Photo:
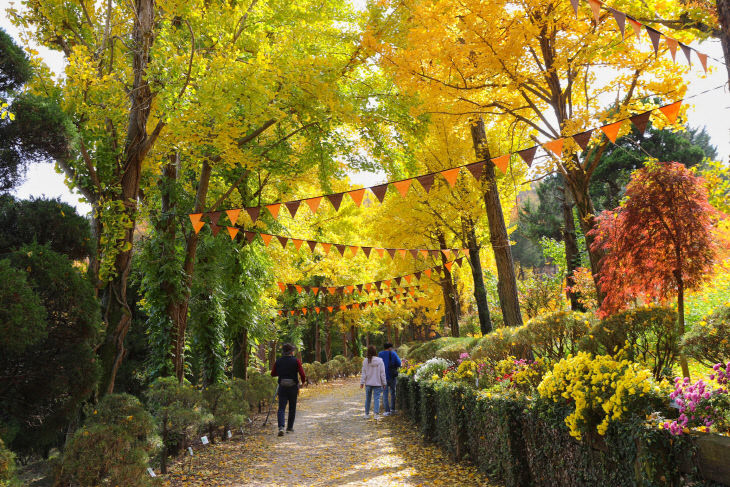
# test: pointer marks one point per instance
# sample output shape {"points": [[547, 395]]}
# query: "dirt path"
{"points": [[333, 445]]}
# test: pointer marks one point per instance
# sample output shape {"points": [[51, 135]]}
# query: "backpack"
{"points": [[392, 366]]}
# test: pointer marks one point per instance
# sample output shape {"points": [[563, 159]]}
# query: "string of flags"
{"points": [[361, 305], [362, 289], [368, 286], [476, 169], [654, 35]]}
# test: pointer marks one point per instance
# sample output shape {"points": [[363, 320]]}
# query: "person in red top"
{"points": [[286, 369]]}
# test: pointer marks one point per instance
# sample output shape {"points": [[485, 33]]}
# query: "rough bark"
{"points": [[451, 319], [317, 342], [506, 281], [480, 291], [723, 16], [117, 314], [239, 362], [328, 343], [572, 257]]}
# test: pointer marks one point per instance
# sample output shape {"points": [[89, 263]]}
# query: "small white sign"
{"points": [[230, 435], [151, 472], [190, 450], [204, 439]]}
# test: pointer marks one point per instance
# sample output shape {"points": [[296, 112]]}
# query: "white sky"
{"points": [[711, 110]]}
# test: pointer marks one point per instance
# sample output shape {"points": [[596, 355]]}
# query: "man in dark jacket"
{"points": [[392, 364], [286, 369]]}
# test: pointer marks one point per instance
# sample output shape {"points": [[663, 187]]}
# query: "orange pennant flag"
{"points": [[381, 252], [611, 130], [357, 196], [427, 272], [292, 312], [343, 307], [408, 278], [330, 308], [354, 249], [233, 215], [447, 253], [232, 231], [282, 286], [672, 44], [195, 217], [280, 312], [368, 286], [332, 290], [636, 26], [448, 265], [313, 203], [316, 309], [350, 289], [297, 243], [266, 238], [596, 7], [703, 60], [671, 111], [466, 252], [197, 226], [387, 282], [326, 247], [423, 252], [403, 252], [298, 288], [402, 186], [304, 311], [451, 175], [502, 163], [315, 290], [274, 209], [556, 146]]}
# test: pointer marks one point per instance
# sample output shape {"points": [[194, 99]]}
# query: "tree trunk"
{"points": [[451, 318], [317, 342], [239, 362], [397, 337], [480, 291], [117, 314], [680, 320], [345, 350], [389, 332], [723, 16], [572, 256], [328, 343], [506, 282]]}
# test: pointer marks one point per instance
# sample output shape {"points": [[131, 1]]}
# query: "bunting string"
{"points": [[368, 289], [670, 112], [362, 305]]}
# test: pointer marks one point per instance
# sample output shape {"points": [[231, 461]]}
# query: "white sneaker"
{"points": [[386, 413], [376, 417], [367, 415]]}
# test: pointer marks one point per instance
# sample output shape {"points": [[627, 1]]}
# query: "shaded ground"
{"points": [[333, 445]]}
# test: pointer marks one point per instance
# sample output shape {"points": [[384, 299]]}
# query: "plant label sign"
{"points": [[151, 472], [229, 434], [190, 450], [204, 440]]}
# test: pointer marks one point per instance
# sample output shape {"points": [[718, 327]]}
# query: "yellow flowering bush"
{"points": [[600, 390], [521, 375]]}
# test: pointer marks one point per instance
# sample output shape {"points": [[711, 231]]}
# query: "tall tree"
{"points": [[660, 242]]}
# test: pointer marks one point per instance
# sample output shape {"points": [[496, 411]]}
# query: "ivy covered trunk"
{"points": [[506, 280], [117, 314], [572, 256]]}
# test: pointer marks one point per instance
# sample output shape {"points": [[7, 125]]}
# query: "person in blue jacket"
{"points": [[392, 364]]}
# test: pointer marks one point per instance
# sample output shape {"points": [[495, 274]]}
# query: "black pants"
{"points": [[287, 395]]}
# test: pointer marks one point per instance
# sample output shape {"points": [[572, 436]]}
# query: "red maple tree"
{"points": [[659, 242]]}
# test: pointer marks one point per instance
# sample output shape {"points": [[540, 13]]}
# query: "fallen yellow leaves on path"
{"points": [[333, 445]]}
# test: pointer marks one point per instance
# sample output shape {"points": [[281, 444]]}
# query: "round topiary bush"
{"points": [[553, 335], [497, 345], [708, 342], [113, 447]]}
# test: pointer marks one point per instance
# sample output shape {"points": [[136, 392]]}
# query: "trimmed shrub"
{"points": [[403, 350], [112, 448], [453, 349], [178, 410], [709, 341], [427, 350], [496, 346], [647, 335], [227, 404], [553, 335], [355, 365], [7, 467], [259, 387], [311, 372]]}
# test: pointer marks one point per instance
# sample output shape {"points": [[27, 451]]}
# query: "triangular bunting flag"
{"points": [[215, 229], [575, 4], [636, 26], [402, 186], [391, 252], [459, 261], [687, 53], [233, 215], [583, 138], [671, 111], [414, 253], [253, 213], [332, 290], [596, 7], [434, 253], [266, 238], [427, 272], [292, 312], [312, 244], [274, 209], [366, 251], [555, 146], [326, 247], [368, 286], [282, 241], [408, 278], [403, 252], [640, 121], [381, 252], [476, 170], [330, 308], [417, 275], [466, 252], [343, 307], [611, 130], [703, 60], [357, 196], [387, 282], [214, 217], [232, 231], [341, 249], [451, 175], [304, 311], [195, 217], [528, 155], [447, 253], [315, 290], [282, 286], [397, 280], [426, 181], [654, 35], [620, 19], [336, 200], [316, 309], [281, 312], [354, 249], [298, 288], [672, 44], [313, 203], [349, 306], [359, 288], [437, 269], [297, 243], [293, 206], [379, 191], [378, 284], [250, 236], [448, 265], [502, 163], [423, 252], [198, 225]]}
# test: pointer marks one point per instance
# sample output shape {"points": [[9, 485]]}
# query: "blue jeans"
{"points": [[368, 395], [390, 388]]}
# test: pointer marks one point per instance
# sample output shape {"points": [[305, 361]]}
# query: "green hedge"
{"points": [[523, 442]]}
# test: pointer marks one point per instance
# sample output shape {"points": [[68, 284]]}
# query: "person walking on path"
{"points": [[286, 369], [391, 360], [373, 378]]}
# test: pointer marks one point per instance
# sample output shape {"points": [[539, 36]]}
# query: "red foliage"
{"points": [[665, 225]]}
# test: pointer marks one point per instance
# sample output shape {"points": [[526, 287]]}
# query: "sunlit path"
{"points": [[333, 445]]}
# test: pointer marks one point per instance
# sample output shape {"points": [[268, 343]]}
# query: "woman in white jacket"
{"points": [[373, 378]]}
